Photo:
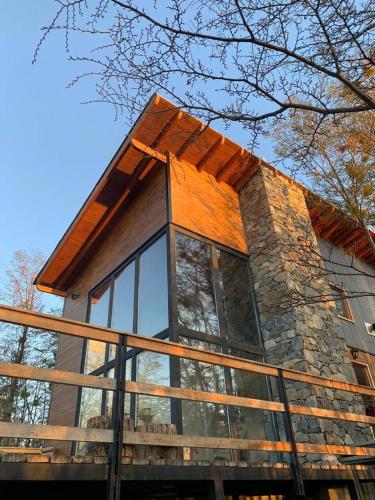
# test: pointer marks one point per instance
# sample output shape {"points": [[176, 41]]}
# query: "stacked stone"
{"points": [[301, 335]]}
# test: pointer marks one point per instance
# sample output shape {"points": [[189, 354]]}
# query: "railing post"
{"points": [[118, 408], [299, 487]]}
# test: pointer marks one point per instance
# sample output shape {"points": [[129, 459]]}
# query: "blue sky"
{"points": [[53, 148]]}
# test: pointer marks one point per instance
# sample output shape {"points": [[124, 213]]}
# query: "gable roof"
{"points": [[161, 129]]}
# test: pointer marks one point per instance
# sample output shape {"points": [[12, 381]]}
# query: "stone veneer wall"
{"points": [[305, 337]]}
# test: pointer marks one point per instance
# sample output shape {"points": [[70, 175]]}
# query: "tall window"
{"points": [[196, 304], [215, 312], [213, 292], [211, 308], [134, 299]]}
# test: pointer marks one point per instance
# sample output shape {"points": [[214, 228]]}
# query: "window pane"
{"points": [[236, 295], [153, 368], [153, 289], [201, 376], [91, 405], [198, 418], [123, 300], [341, 302], [95, 352], [109, 398], [250, 423], [196, 307], [99, 305], [95, 355]]}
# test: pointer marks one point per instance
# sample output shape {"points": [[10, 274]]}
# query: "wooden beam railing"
{"points": [[86, 331]]}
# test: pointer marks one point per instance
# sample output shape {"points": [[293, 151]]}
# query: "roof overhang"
{"points": [[161, 129]]}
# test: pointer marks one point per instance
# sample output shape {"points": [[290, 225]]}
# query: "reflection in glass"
{"points": [[246, 422], [123, 300], [153, 289], [95, 355], [109, 396], [196, 307], [153, 368], [198, 418], [99, 305], [91, 405], [236, 295], [95, 352]]}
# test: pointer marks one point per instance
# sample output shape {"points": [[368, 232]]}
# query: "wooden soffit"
{"points": [[162, 128], [332, 225]]}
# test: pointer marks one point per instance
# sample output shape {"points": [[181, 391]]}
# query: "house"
{"points": [[191, 239]]}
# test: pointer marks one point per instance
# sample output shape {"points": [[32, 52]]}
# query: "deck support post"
{"points": [[216, 489], [118, 408], [299, 488], [357, 485]]}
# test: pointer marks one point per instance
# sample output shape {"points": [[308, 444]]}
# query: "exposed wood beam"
{"points": [[356, 245], [225, 169], [364, 249], [190, 140], [146, 150], [330, 229], [251, 168], [177, 116], [50, 289], [105, 220], [347, 237], [367, 253], [217, 144]]}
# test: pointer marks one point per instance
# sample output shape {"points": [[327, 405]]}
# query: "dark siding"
{"points": [[363, 309]]}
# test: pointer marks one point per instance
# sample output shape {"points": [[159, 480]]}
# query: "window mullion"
{"points": [[218, 296]]}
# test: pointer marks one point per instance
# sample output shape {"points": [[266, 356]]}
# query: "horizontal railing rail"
{"points": [[86, 331]]}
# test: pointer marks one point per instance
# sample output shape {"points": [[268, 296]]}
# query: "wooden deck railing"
{"points": [[86, 331]]}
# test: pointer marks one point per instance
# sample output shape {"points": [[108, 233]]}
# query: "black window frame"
{"points": [[175, 331]]}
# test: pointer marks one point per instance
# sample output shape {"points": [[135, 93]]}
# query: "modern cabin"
{"points": [[232, 388]]}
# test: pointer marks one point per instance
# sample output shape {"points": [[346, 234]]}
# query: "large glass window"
{"points": [[196, 305], [121, 304], [123, 299], [199, 418], [212, 309], [248, 423], [153, 289], [236, 297], [99, 307], [150, 299], [153, 368]]}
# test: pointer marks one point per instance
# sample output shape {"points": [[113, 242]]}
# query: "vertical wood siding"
{"points": [[203, 205]]}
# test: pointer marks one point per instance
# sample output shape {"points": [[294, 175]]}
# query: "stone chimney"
{"points": [[297, 335]]}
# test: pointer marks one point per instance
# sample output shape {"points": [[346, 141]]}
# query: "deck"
{"points": [[116, 468]]}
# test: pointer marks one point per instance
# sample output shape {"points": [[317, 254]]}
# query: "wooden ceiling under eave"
{"points": [[334, 226], [162, 127]]}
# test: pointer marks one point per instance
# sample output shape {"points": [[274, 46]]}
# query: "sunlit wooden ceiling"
{"points": [[163, 128]]}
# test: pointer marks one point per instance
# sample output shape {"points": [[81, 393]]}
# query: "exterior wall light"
{"points": [[354, 353]]}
